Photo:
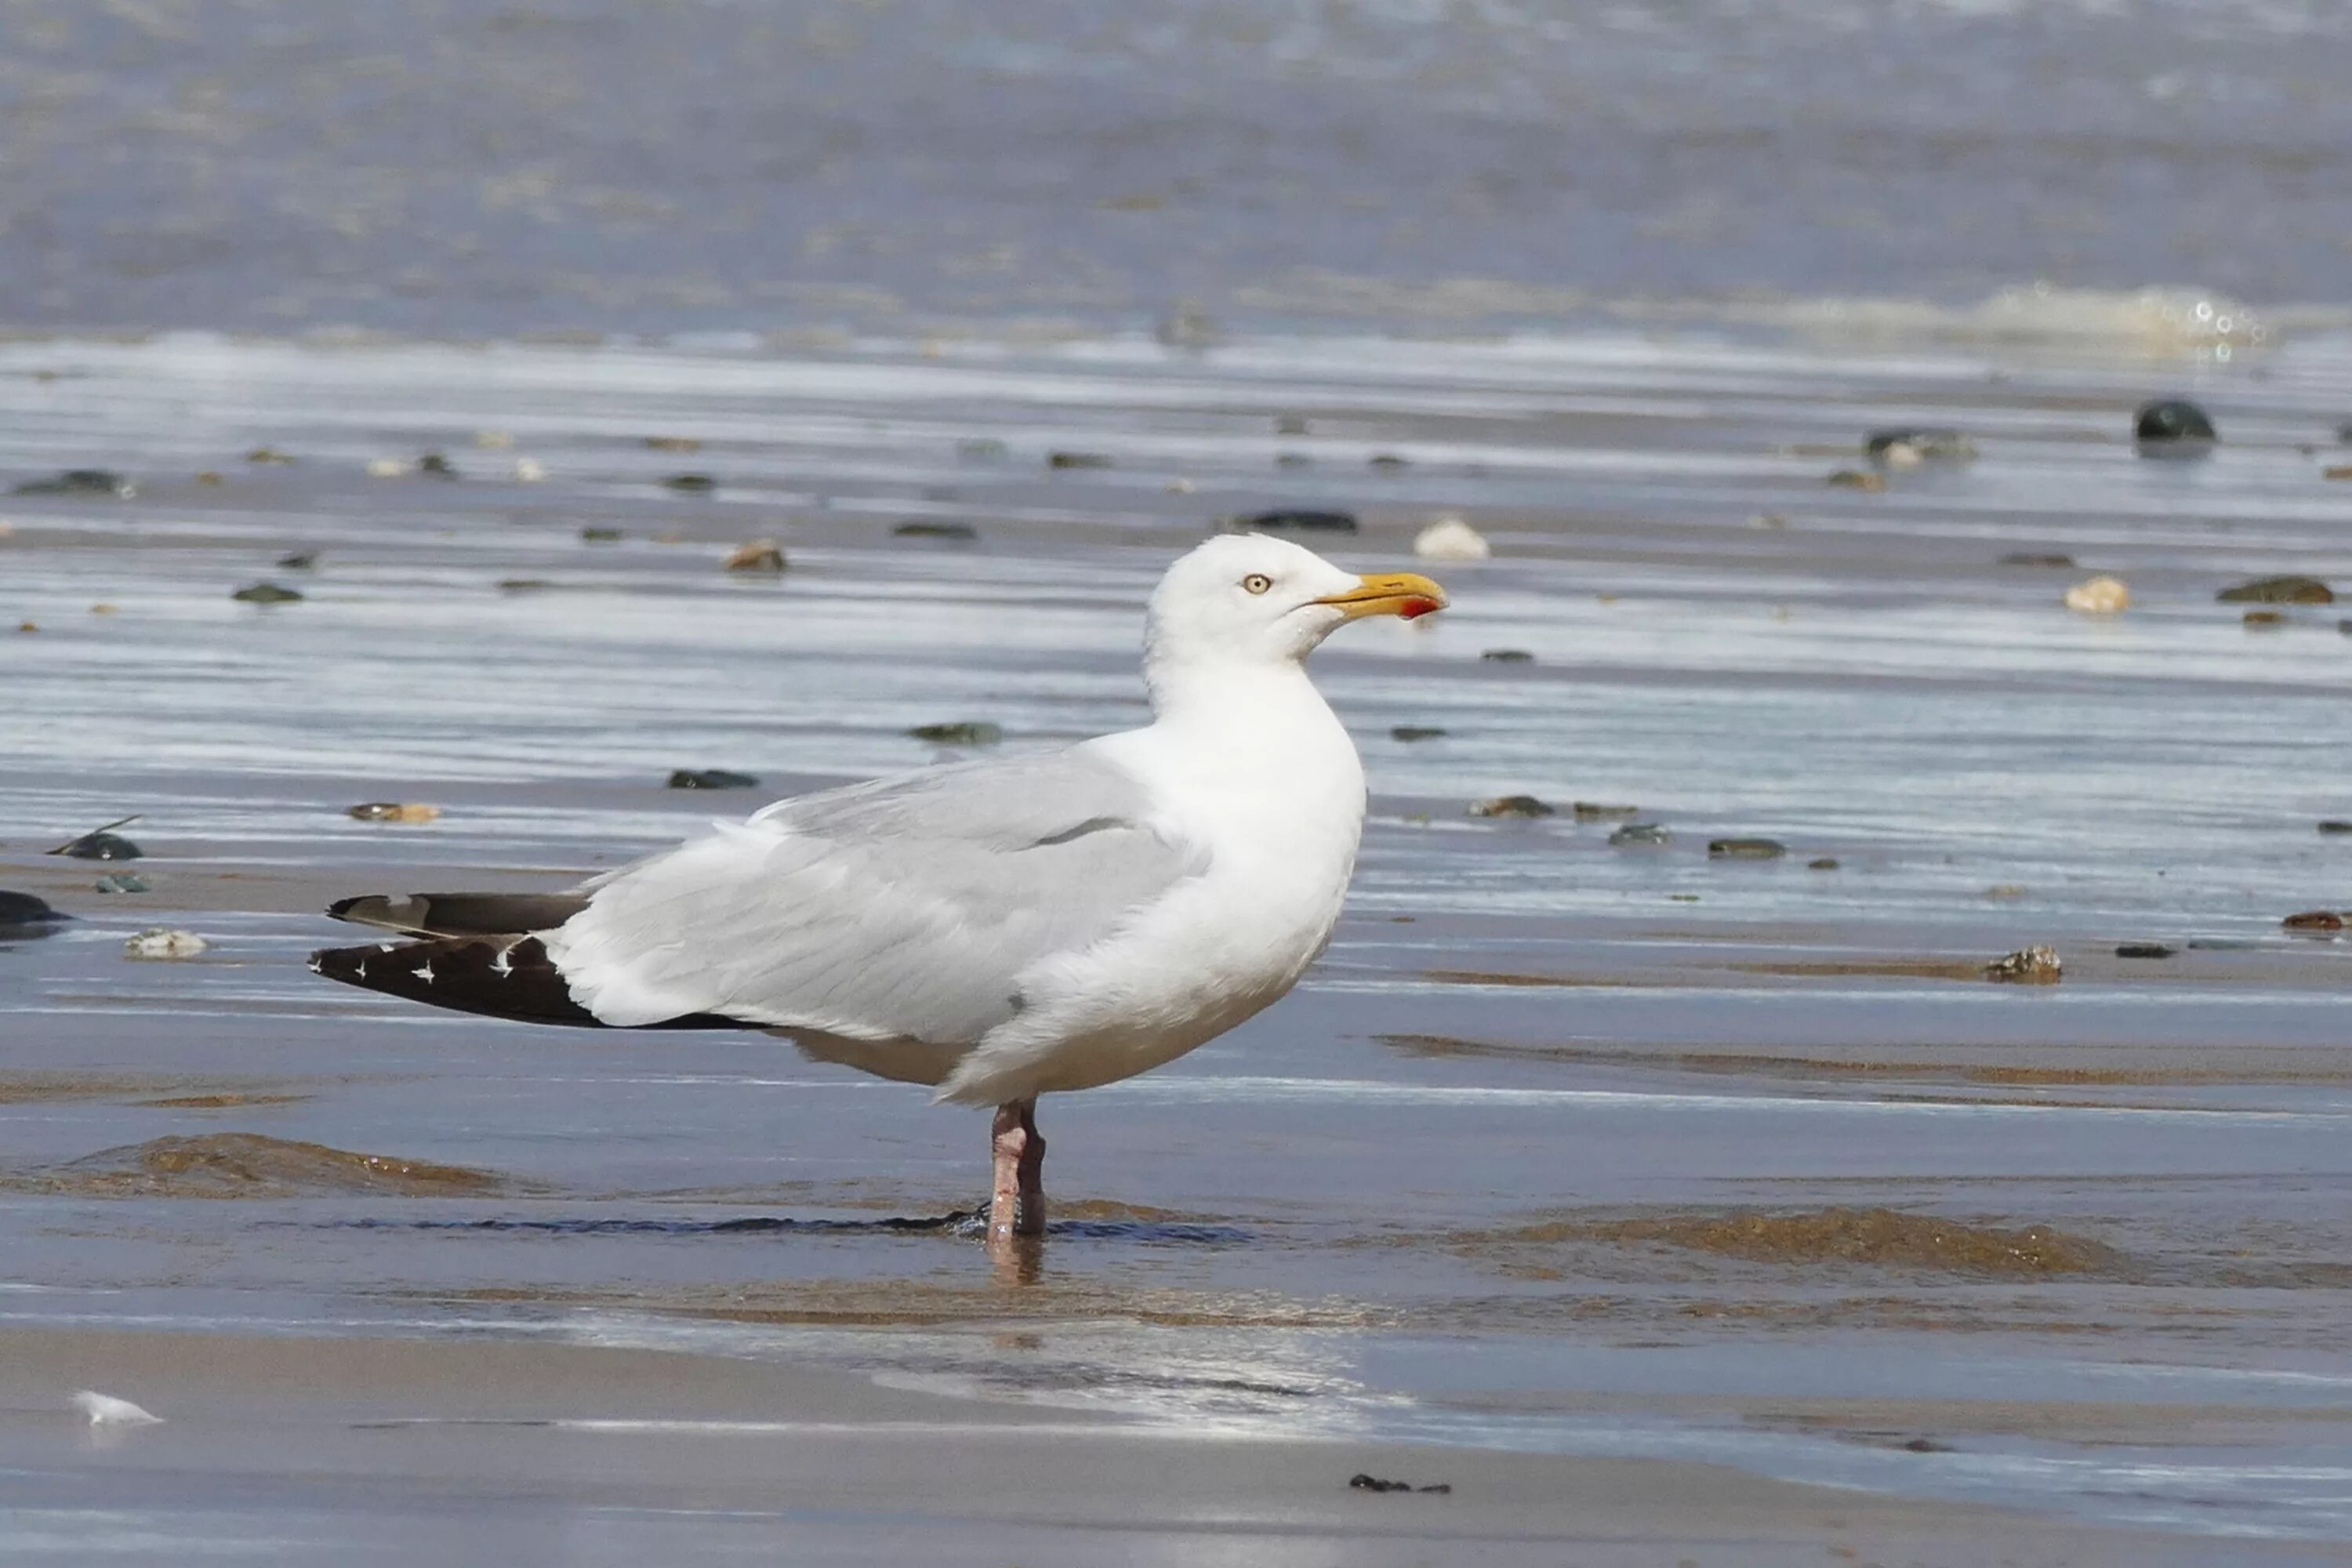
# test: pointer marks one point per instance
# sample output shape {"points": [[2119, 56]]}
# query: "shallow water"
{"points": [[1437, 1194]]}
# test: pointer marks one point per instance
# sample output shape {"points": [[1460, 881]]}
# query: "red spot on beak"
{"points": [[1414, 608]]}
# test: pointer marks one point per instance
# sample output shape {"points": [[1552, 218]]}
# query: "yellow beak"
{"points": [[1405, 593]]}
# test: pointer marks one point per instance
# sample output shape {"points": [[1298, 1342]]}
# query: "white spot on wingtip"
{"points": [[501, 965], [423, 972], [105, 1410]]}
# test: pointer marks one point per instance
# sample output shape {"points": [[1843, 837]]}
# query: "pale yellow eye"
{"points": [[1257, 583]]}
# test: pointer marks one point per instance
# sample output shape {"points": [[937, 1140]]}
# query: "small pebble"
{"points": [[524, 585], [1746, 849], [494, 440], [266, 455], [1858, 480], [1426, 732], [2336, 471], [121, 882], [982, 449], [2028, 966], [1507, 656], [1077, 460], [2264, 620], [594, 535], [1451, 539], [1926, 1446], [394, 811], [979, 733], [2099, 597], [265, 594], [673, 444], [1386, 460], [2172, 421], [691, 484], [1365, 1483], [2315, 920], [529, 470], [2036, 558], [2142, 950], [1296, 425], [161, 942], [1292, 460], [1510, 806], [760, 555], [711, 778], [209, 476], [964, 531], [386, 468], [1641, 835], [2286, 590], [2332, 824], [300, 561], [435, 463], [1822, 863], [1596, 811]]}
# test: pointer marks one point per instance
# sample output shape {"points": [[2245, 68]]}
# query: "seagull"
{"points": [[996, 930]]}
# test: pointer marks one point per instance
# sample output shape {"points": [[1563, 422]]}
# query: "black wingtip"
{"points": [[502, 977]]}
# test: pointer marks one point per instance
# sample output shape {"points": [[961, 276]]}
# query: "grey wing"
{"points": [[906, 909]]}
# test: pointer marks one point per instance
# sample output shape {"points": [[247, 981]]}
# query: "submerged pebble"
{"points": [[969, 733], [673, 444], [2336, 471], [1599, 811], [690, 484], [1510, 806], [2331, 824], [79, 482], [2291, 589], [266, 455], [163, 941], [1746, 849], [1822, 863], [1641, 835], [2036, 558], [2315, 920], [1451, 539], [2027, 966], [2142, 950], [1905, 446], [1507, 656], [760, 555], [594, 535], [2262, 620], [1077, 460], [435, 463], [711, 778], [300, 561], [1858, 480], [962, 530], [394, 811], [981, 449], [529, 470], [2099, 597], [1368, 1483], [121, 882], [386, 468], [1416, 733], [265, 594], [2172, 422]]}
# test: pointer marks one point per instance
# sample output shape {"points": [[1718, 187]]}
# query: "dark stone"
{"points": [[1912, 444], [1507, 656], [1641, 835], [523, 584], [711, 778], [2315, 920], [1510, 806], [1825, 863], [265, 594], [300, 561], [1431, 732], [594, 535], [1595, 811], [2344, 432], [1386, 460], [435, 463], [1746, 849], [1926, 1446], [1301, 521], [691, 484], [1077, 460], [971, 732], [2142, 950], [2286, 590], [78, 482], [21, 911], [2332, 824], [936, 531], [2172, 421], [1364, 1483], [2036, 558]]}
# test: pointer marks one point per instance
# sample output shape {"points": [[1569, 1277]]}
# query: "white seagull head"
{"points": [[1251, 599]]}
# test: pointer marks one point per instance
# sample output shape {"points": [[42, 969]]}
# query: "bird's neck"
{"points": [[1212, 694]]}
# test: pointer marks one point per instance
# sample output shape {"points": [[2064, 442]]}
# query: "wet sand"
{"points": [[1575, 1163], [470, 1451]]}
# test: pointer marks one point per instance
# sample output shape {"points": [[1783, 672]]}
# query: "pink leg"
{"points": [[1016, 1204]]}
